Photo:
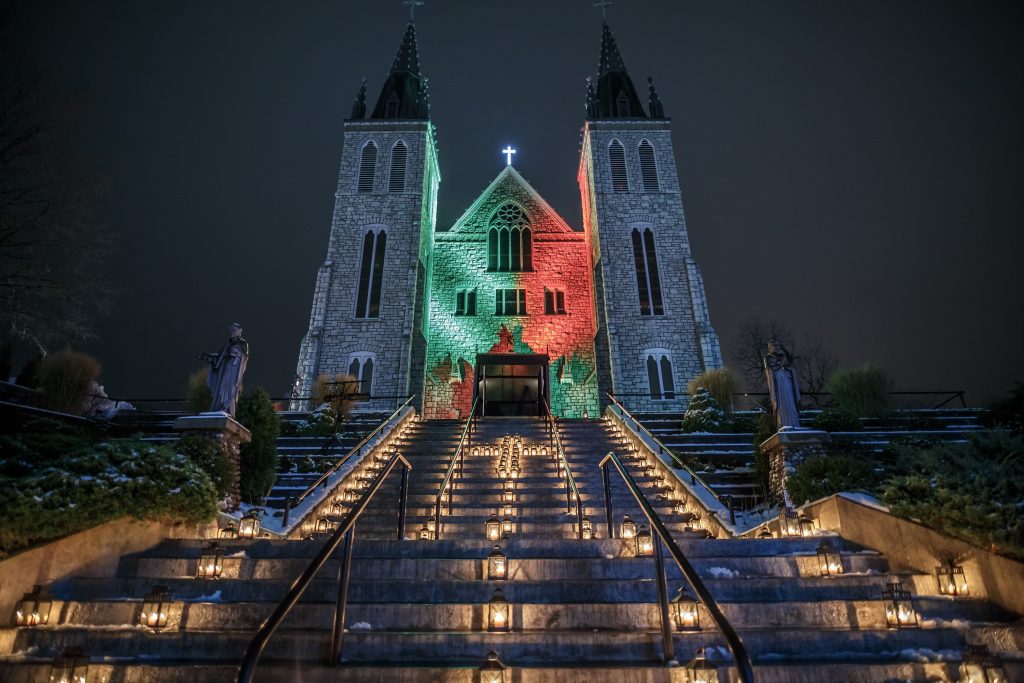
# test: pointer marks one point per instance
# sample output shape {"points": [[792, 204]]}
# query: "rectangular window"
{"points": [[554, 302], [510, 302], [465, 302]]}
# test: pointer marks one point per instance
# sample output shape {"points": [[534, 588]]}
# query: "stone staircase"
{"points": [[580, 610], [725, 461]]}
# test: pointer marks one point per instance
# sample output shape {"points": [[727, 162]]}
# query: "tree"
{"points": [[814, 361], [259, 456], [53, 251]]}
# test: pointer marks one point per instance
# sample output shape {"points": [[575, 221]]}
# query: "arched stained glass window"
{"points": [[509, 240]]}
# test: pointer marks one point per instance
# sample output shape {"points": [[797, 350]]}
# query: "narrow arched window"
{"points": [[653, 377], [366, 379], [396, 174], [492, 249], [648, 282], [652, 272], [371, 274], [503, 249], [360, 367], [527, 249], [617, 162], [668, 384], [648, 167], [640, 264], [516, 252], [367, 167], [353, 368]]}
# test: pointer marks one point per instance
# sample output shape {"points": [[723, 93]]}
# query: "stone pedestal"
{"points": [[229, 435], [787, 449]]}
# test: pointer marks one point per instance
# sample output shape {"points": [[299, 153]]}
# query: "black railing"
{"points": [[661, 537], [820, 399], [695, 478], [345, 532], [572, 493], [458, 458], [357, 450]]}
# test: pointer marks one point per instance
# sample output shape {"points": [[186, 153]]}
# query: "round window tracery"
{"points": [[509, 216]]}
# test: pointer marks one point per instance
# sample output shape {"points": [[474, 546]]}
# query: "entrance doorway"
{"points": [[511, 384]]}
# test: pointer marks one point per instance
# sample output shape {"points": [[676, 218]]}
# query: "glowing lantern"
{"points": [[510, 485], [211, 562], [432, 526], [493, 527], [338, 508], [230, 531], [506, 526], [476, 450], [507, 509], [830, 562], [498, 616], [679, 506], [806, 525], [533, 450], [492, 670], [765, 533], [497, 564], [351, 495], [424, 533], [324, 525], [952, 580], [249, 525], [34, 608], [586, 528], [789, 522], [899, 608], [627, 529], [644, 543], [70, 666], [699, 670], [685, 611], [514, 471], [981, 666], [154, 607]]}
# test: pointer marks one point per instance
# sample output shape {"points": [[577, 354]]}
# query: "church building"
{"points": [[510, 308]]}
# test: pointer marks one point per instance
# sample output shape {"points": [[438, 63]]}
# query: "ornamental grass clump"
{"points": [[720, 383], [65, 377], [197, 392], [860, 391]]}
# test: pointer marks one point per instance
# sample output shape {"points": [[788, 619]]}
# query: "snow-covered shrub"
{"points": [[208, 454], [704, 414]]}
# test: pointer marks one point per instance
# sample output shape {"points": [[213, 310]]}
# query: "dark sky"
{"points": [[851, 168]]}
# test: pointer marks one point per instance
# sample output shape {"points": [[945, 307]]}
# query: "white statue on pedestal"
{"points": [[783, 386]]}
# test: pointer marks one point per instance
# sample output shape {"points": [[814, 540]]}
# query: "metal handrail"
{"points": [[457, 457], [346, 532], [951, 395], [572, 490], [662, 535], [357, 449], [694, 477]]}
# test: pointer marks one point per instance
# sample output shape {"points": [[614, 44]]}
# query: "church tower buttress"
{"points": [[654, 331], [367, 316]]}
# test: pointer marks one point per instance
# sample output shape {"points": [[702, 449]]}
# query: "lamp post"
{"points": [[249, 525], [830, 562], [492, 670], [981, 666], [154, 607], [700, 670], [211, 562], [34, 608], [498, 613], [686, 611], [899, 607], [951, 577], [497, 564], [70, 666]]}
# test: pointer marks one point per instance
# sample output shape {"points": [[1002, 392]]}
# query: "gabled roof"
{"points": [[510, 175]]}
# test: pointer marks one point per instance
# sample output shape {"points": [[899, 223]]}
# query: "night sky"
{"points": [[851, 168]]}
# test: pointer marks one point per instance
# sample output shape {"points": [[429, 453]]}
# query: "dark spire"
{"points": [[402, 96], [653, 102], [616, 97], [359, 106]]}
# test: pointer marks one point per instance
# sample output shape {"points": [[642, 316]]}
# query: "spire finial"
{"points": [[604, 5], [359, 106], [413, 4], [653, 101]]}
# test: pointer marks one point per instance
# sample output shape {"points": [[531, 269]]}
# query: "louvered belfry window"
{"points": [[396, 175], [617, 162], [367, 167], [648, 168]]}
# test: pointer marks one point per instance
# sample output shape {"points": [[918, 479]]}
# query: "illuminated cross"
{"points": [[413, 4], [604, 5], [508, 152]]}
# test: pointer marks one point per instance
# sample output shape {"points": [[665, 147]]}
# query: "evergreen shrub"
{"points": [[720, 383], [208, 454], [765, 429], [65, 377], [860, 391], [836, 420], [259, 456], [1007, 412], [704, 414]]}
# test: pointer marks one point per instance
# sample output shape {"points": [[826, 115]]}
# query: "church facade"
{"points": [[511, 308]]}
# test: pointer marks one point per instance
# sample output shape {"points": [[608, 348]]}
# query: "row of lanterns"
{"points": [[35, 607]]}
